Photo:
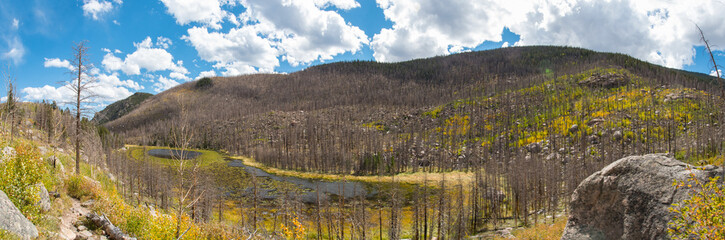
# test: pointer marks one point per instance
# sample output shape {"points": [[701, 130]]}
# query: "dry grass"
{"points": [[542, 231], [408, 177]]}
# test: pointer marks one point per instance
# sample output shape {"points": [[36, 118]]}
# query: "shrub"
{"points": [[204, 83], [20, 170], [703, 215], [80, 188]]}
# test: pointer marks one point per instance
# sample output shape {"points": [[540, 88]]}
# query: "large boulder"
{"points": [[44, 202], [629, 199], [12, 220]]}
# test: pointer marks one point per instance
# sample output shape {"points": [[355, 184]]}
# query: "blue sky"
{"points": [[150, 46]]}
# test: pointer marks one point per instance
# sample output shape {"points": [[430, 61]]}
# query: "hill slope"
{"points": [[442, 112], [120, 108]]}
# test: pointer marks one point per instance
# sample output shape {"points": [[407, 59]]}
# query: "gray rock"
{"points": [[574, 128], [13, 220], [88, 203], [84, 235], [629, 199], [593, 139], [44, 202], [534, 147], [617, 135], [82, 228]]}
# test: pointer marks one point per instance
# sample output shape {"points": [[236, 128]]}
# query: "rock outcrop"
{"points": [[607, 80], [12, 220], [44, 202], [629, 199]]}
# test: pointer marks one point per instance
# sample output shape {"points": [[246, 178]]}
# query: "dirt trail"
{"points": [[68, 228]]}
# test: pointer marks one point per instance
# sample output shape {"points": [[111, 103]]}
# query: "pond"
{"points": [[174, 154], [309, 187]]}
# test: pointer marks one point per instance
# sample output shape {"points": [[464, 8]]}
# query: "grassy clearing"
{"points": [[206, 158], [407, 177]]}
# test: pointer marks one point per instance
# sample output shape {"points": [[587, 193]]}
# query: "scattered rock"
{"points": [[595, 121], [552, 156], [617, 135], [607, 80], [54, 194], [8, 153], [678, 95], [13, 220], [593, 139], [88, 204], [67, 233], [81, 228], [574, 128], [44, 202], [629, 199], [84, 235], [534, 147]]}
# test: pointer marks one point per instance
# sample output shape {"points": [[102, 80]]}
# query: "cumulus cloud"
{"points": [[16, 24], [240, 46], [107, 88], [715, 74], [163, 84], [55, 62], [209, 73], [341, 4], [429, 27], [208, 12], [657, 31], [96, 8], [145, 57], [298, 32]]}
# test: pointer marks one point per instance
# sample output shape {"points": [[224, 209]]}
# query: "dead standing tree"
{"points": [[81, 86], [182, 135], [714, 65]]}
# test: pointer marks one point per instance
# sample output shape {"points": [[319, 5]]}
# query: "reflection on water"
{"points": [[174, 153], [347, 189]]}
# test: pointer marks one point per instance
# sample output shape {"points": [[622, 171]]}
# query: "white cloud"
{"points": [[658, 31], [712, 73], [302, 31], [16, 24], [179, 76], [15, 50], [297, 31], [505, 45], [145, 57], [163, 84], [208, 12], [55, 62], [341, 4], [96, 8], [209, 73], [428, 28], [163, 42], [108, 88], [58, 94], [240, 46]]}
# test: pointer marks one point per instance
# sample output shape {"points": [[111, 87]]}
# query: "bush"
{"points": [[80, 188], [204, 83], [20, 170], [703, 215]]}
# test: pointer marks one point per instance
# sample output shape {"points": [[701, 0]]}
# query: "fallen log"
{"points": [[114, 233]]}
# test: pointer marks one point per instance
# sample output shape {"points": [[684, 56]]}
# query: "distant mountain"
{"points": [[120, 108]]}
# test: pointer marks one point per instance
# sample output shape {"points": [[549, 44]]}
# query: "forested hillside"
{"points": [[120, 108], [366, 117]]}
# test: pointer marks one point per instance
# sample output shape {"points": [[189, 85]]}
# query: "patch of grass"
{"points": [[80, 188], [542, 231], [405, 178]]}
